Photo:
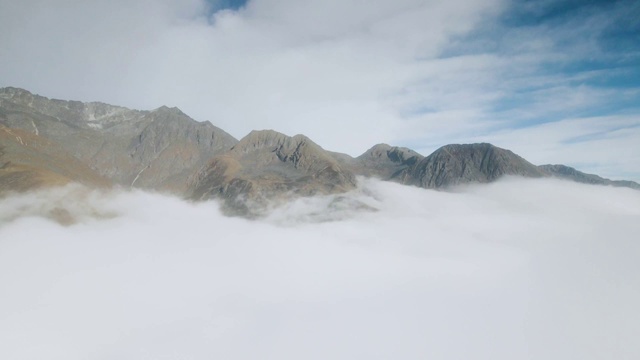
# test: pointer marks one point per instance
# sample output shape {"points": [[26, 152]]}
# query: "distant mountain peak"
{"points": [[13, 91], [260, 139], [394, 153], [385, 161], [569, 173], [169, 110], [466, 163], [267, 164]]}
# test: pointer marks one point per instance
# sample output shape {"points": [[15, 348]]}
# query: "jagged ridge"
{"points": [[466, 163], [156, 149], [569, 173], [267, 164], [164, 149]]}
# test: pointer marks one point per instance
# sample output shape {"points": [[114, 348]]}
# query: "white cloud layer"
{"points": [[519, 269], [349, 74]]}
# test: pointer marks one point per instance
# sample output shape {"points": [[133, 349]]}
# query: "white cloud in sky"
{"points": [[519, 269], [603, 145], [348, 74]]}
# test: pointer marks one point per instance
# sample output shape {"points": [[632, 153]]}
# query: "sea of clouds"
{"points": [[518, 269]]}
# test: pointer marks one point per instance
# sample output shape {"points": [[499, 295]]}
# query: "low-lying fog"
{"points": [[519, 269]]}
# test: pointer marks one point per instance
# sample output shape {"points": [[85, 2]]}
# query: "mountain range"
{"points": [[46, 142]]}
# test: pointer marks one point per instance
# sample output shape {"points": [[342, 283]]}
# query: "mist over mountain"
{"points": [[319, 180], [114, 243], [515, 269], [49, 142], [266, 164]]}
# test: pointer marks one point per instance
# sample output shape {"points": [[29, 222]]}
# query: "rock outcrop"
{"points": [[469, 163], [385, 162], [267, 165], [569, 173]]}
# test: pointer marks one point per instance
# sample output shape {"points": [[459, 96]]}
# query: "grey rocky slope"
{"points": [[569, 173], [265, 165], [466, 163], [156, 149], [385, 162], [458, 164]]}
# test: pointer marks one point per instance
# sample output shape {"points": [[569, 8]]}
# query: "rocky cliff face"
{"points": [[266, 165], [462, 164], [156, 149], [385, 162]]}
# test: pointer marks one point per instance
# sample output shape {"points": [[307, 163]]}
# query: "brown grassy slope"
{"points": [[29, 161]]}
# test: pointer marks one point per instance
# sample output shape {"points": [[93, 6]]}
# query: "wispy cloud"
{"points": [[411, 72]]}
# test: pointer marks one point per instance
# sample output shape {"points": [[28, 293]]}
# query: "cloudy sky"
{"points": [[554, 81]]}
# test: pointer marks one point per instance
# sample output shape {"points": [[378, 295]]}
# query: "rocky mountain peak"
{"points": [[385, 161], [376, 151], [266, 165], [569, 173], [271, 148], [13, 92], [466, 163], [165, 110], [392, 153], [258, 140]]}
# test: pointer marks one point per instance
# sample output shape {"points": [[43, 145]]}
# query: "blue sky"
{"points": [[590, 47], [598, 43], [612, 28], [554, 81], [217, 5]]}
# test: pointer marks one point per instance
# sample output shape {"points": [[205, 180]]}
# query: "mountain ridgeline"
{"points": [[45, 142], [156, 149]]}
